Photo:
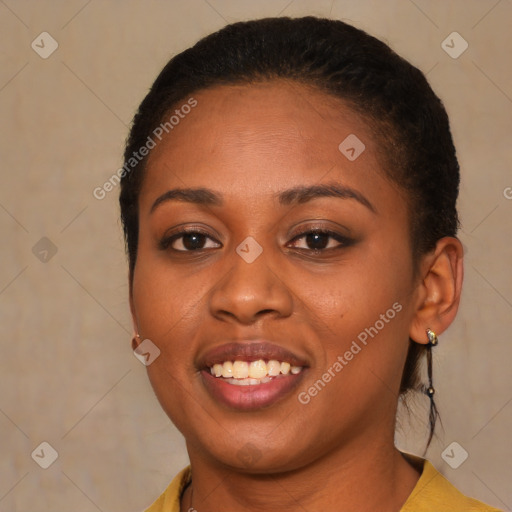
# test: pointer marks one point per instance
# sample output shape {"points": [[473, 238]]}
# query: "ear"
{"points": [[439, 289], [135, 340]]}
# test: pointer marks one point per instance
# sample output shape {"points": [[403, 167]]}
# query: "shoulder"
{"points": [[433, 492], [169, 500]]}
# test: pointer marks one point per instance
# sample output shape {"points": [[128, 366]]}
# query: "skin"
{"points": [[249, 143]]}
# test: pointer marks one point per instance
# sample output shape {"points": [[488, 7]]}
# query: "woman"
{"points": [[289, 205]]}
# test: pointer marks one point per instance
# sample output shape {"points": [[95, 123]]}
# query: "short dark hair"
{"points": [[391, 95]]}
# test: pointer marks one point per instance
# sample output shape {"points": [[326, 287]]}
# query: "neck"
{"points": [[366, 476]]}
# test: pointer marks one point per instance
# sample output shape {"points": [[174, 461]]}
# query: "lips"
{"points": [[251, 394]]}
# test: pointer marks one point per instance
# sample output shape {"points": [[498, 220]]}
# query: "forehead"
{"points": [[260, 138]]}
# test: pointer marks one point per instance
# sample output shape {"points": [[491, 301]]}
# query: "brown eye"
{"points": [[188, 241], [318, 240], [192, 241]]}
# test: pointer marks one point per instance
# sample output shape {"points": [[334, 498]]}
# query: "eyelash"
{"points": [[343, 241], [165, 243]]}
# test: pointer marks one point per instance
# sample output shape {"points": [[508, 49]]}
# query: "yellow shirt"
{"points": [[432, 493]]}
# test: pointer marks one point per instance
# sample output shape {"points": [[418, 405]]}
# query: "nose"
{"points": [[251, 291]]}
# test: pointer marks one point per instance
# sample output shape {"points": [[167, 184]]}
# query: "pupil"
{"points": [[317, 240], [193, 241]]}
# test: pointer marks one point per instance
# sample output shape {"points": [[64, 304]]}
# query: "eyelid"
{"points": [[320, 225], [187, 227]]}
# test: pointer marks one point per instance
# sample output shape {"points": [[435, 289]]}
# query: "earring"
{"points": [[432, 342], [432, 337], [430, 391]]}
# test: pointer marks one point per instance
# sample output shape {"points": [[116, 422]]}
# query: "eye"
{"points": [[188, 241], [319, 240]]}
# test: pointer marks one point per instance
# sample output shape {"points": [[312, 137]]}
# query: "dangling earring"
{"points": [[432, 342], [430, 391]]}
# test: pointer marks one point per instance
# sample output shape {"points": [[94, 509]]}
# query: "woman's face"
{"points": [[296, 250]]}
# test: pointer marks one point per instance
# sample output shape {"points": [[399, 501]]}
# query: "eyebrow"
{"points": [[303, 194], [296, 195], [189, 195]]}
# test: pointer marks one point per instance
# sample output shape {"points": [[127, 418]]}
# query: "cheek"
{"points": [[168, 301], [168, 305], [361, 288], [362, 307]]}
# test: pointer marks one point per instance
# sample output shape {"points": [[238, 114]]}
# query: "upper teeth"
{"points": [[253, 370]]}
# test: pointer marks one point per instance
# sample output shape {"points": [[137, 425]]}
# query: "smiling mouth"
{"points": [[253, 373], [250, 374]]}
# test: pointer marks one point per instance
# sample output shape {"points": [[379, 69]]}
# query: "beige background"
{"points": [[68, 376]]}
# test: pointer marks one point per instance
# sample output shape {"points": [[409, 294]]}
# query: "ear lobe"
{"points": [[135, 342], [135, 339], [440, 289]]}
